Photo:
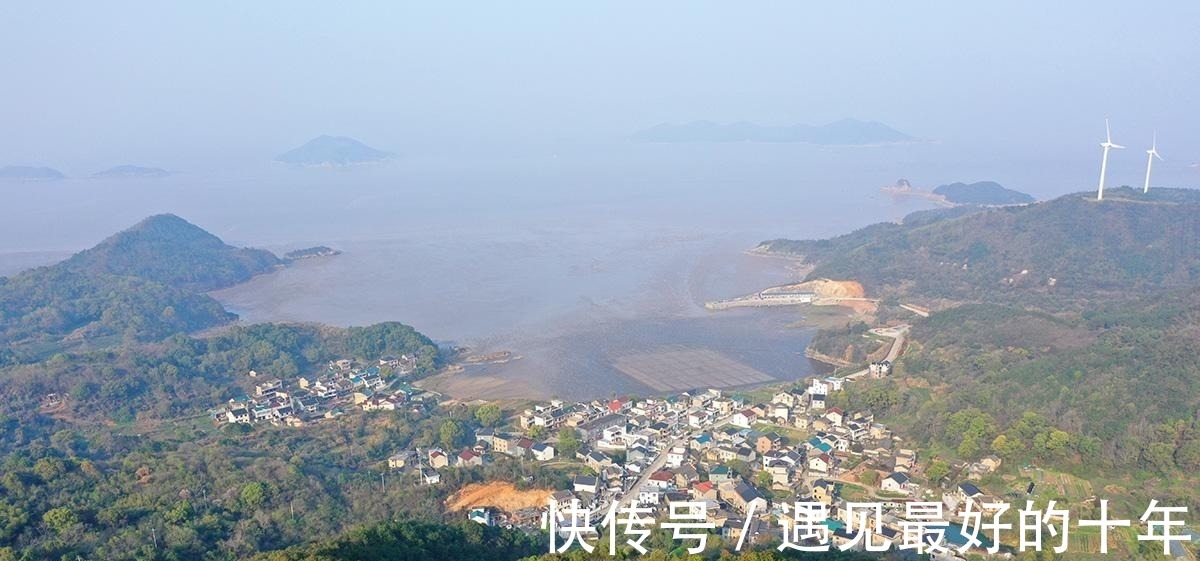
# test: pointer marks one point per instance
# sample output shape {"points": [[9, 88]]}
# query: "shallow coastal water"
{"points": [[571, 305], [592, 263]]}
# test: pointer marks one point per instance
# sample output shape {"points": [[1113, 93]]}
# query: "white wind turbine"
{"points": [[1106, 145], [1150, 155]]}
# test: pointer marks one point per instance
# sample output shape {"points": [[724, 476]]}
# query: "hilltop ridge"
{"points": [[144, 283], [330, 151], [170, 250], [1073, 246]]}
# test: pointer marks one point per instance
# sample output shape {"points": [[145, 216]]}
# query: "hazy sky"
{"points": [[91, 84]]}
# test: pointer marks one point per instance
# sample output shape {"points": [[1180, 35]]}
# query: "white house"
{"points": [[586, 484], [542, 452], [676, 456], [820, 463], [744, 418], [818, 387], [895, 483], [649, 495]]}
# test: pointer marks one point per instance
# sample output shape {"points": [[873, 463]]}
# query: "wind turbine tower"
{"points": [[1106, 145], [1150, 155]]}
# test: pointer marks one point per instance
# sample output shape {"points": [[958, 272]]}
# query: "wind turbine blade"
{"points": [[1116, 146], [1107, 131]]}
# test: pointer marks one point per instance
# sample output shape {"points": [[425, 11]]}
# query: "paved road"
{"points": [[898, 334], [661, 460]]}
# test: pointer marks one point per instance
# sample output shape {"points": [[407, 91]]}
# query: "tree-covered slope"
{"points": [[142, 284], [1116, 382], [987, 193], [170, 250], [42, 310], [416, 541], [1072, 246]]}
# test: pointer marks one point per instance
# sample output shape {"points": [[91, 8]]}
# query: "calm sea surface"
{"points": [[570, 260]]}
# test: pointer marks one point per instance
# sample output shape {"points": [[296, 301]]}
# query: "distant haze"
{"points": [[201, 85]]}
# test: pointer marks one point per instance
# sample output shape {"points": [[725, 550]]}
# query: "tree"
{"points": [[180, 513], [568, 442], [1007, 446], [49, 469], [60, 519], [450, 433], [253, 494], [1188, 456], [489, 415], [1057, 440], [968, 448], [1159, 456], [937, 471]]}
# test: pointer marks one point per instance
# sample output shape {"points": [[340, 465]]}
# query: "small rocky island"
{"points": [[333, 151], [310, 253], [986, 193], [29, 173]]}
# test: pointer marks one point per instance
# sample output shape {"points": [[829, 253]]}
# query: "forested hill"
{"points": [[469, 541], [142, 284], [987, 193], [1070, 247], [1062, 333], [170, 250]]}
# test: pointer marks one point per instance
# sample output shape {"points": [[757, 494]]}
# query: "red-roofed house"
{"points": [[745, 419], [469, 458], [662, 479], [704, 490]]}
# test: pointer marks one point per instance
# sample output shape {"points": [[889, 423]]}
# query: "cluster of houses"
{"points": [[730, 455], [344, 383], [428, 463], [720, 450]]}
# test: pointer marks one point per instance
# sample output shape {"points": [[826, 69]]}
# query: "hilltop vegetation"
{"points": [[44, 309], [1064, 334], [170, 250], [124, 450], [467, 541], [415, 541], [142, 284], [183, 375], [1114, 387], [1056, 251], [987, 193]]}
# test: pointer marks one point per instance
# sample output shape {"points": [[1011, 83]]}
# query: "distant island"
{"points": [[30, 173], [846, 132], [987, 193], [310, 252], [980, 193], [329, 151], [131, 171]]}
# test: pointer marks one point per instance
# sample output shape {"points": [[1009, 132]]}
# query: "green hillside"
{"points": [[142, 284], [987, 193], [1094, 371], [1070, 247], [170, 250]]}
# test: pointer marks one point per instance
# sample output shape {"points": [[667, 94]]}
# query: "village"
{"points": [[746, 462], [344, 384]]}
